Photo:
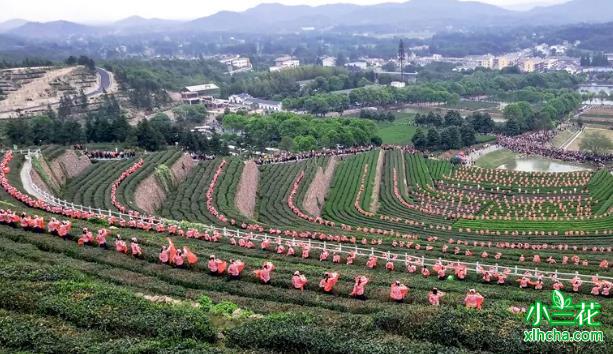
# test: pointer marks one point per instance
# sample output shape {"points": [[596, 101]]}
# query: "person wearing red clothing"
{"points": [[135, 248], [299, 281], [120, 245], [576, 283], [328, 282], [192, 259], [398, 291], [359, 287], [235, 269], [372, 262], [523, 282], [212, 265], [434, 297], [264, 273], [425, 272], [101, 238], [178, 259], [86, 238], [324, 255], [164, 257], [473, 299], [389, 265]]}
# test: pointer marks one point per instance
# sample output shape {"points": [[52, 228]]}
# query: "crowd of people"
{"points": [[298, 156], [201, 156], [537, 143], [105, 154], [183, 257]]}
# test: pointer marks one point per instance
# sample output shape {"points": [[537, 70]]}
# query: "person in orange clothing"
{"points": [[264, 274], [398, 291], [305, 251], [324, 255], [135, 248], [86, 238], [101, 238], [299, 281], [264, 245], [372, 262], [389, 265], [212, 265], [425, 272], [523, 282], [221, 266], [172, 251], [434, 297], [178, 259], [163, 257], [328, 282], [192, 259], [64, 229], [473, 299], [53, 226], [576, 283], [235, 269], [120, 245], [359, 287], [557, 285]]}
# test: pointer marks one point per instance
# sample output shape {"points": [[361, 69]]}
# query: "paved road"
{"points": [[26, 178], [105, 82]]}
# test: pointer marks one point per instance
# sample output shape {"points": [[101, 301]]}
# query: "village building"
{"points": [[199, 93], [245, 99], [285, 62]]}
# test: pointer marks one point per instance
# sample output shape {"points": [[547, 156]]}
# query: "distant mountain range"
{"points": [[411, 15]]}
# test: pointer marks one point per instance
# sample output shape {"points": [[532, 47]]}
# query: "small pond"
{"points": [[541, 164]]}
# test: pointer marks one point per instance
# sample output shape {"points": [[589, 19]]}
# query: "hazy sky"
{"points": [[107, 10]]}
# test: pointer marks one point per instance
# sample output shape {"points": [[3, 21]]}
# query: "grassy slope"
{"points": [[400, 131], [495, 159]]}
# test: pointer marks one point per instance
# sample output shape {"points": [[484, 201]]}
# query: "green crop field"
{"points": [[61, 297], [400, 131]]}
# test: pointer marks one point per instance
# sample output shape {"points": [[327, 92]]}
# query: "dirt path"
{"points": [[245, 197], [374, 200], [316, 194], [569, 142], [35, 92]]}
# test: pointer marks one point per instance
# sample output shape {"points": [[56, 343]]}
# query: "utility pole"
{"points": [[401, 55]]}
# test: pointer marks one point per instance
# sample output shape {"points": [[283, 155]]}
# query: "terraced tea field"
{"points": [[492, 223]]}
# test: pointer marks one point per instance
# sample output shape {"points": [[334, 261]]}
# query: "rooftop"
{"points": [[202, 87]]}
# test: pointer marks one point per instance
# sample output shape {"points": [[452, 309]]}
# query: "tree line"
{"points": [[294, 132], [522, 117], [372, 96], [452, 131], [108, 124]]}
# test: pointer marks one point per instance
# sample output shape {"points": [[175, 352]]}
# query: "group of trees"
{"points": [[373, 96], [379, 116], [521, 117], [146, 87], [442, 139], [25, 63], [319, 104], [451, 131], [296, 82], [598, 59], [89, 63], [293, 132], [107, 124]]}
